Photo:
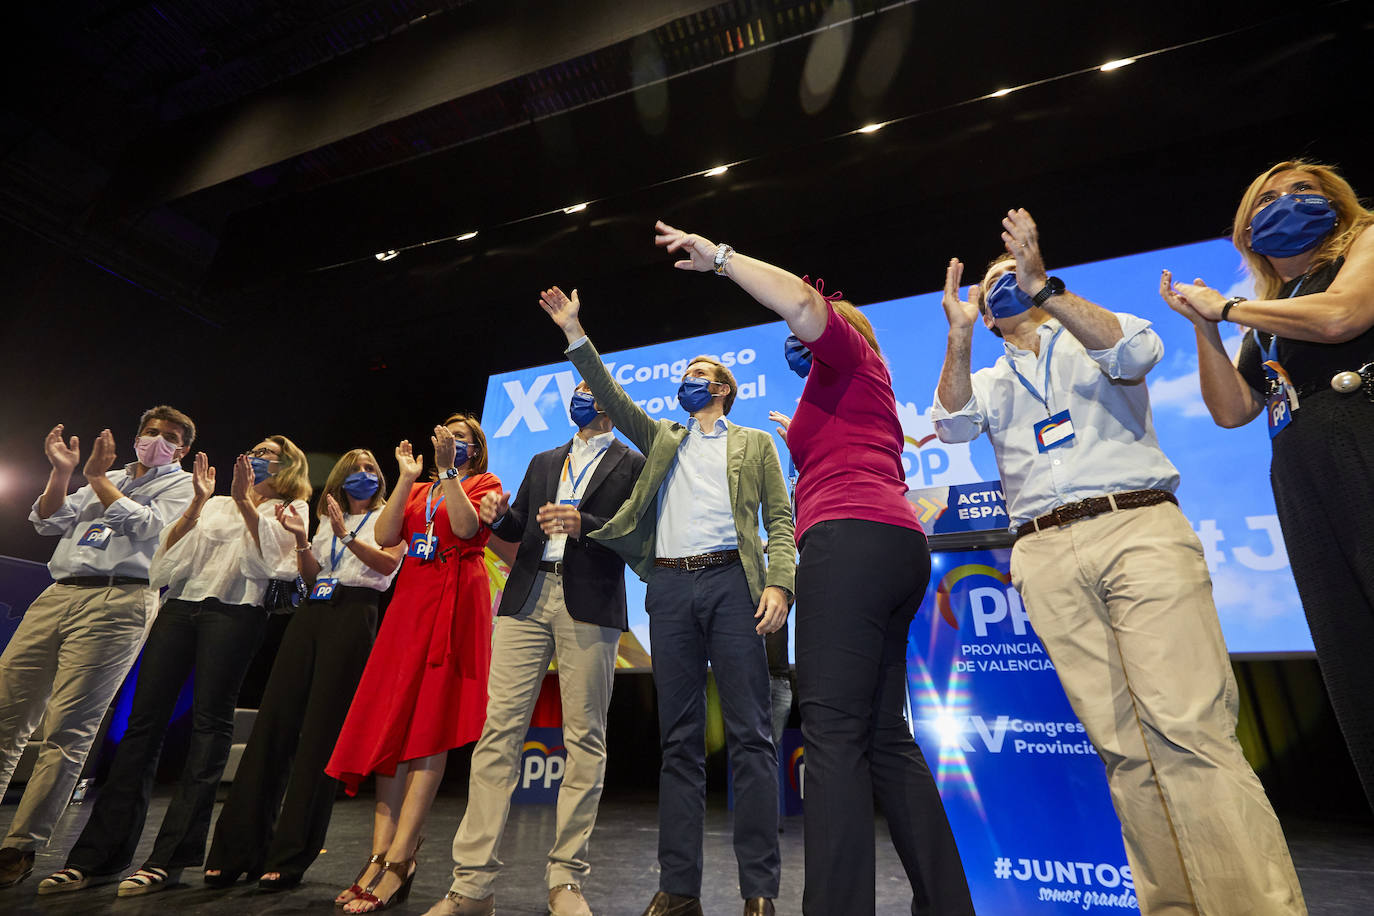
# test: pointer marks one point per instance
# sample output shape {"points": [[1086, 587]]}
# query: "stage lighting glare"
{"points": [[387, 255], [718, 170], [465, 236], [575, 208], [870, 128], [1116, 64], [1001, 92], [949, 729]]}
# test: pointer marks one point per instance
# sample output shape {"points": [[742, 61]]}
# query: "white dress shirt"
{"points": [[148, 504], [578, 470], [1114, 446], [694, 512], [218, 559], [351, 571]]}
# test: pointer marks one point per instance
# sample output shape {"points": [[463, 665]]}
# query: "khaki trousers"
{"points": [[1123, 604], [62, 668], [521, 648]]}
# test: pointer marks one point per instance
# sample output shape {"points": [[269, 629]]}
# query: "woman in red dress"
{"points": [[424, 690]]}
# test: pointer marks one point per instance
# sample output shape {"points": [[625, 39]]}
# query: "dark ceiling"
{"points": [[220, 173]]}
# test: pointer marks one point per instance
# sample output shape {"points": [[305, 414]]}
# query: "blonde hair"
{"points": [[858, 321], [1352, 218], [333, 485], [292, 480], [477, 464], [722, 375]]}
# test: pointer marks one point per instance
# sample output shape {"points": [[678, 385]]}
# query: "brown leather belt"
{"points": [[1096, 505], [700, 561]]}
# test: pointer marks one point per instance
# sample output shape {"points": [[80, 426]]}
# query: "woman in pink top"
{"points": [[863, 571]]}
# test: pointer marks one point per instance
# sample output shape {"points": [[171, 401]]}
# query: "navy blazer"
{"points": [[593, 575]]}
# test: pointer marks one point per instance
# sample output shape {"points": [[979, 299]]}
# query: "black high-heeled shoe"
{"points": [[283, 882], [227, 877]]}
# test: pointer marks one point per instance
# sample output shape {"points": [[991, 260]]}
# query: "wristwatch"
{"points": [[450, 473], [1053, 287], [1230, 304], [723, 252], [348, 536]]}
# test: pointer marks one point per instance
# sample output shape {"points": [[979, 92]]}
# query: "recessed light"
{"points": [[575, 208], [1001, 92], [465, 236], [387, 255], [718, 170], [870, 128], [1116, 64]]}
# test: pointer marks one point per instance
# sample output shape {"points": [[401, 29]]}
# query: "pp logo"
{"points": [[1278, 412], [543, 761], [987, 605]]}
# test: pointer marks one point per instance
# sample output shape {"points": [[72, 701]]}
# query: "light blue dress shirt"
{"points": [[148, 504], [694, 515], [1114, 447]]}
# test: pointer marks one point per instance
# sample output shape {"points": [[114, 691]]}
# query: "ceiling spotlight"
{"points": [[575, 208], [718, 170], [1001, 92], [387, 255], [1116, 64], [465, 236], [870, 128]]}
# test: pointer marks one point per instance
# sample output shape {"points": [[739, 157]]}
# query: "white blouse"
{"points": [[218, 559], [351, 570]]}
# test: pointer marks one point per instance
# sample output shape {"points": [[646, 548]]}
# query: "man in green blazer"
{"points": [[690, 530]]}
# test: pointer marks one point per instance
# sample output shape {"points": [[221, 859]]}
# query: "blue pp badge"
{"points": [[1279, 410], [570, 502], [1054, 432], [97, 536], [422, 546], [324, 589]]}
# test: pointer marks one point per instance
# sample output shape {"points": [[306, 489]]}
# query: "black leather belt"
{"points": [[101, 581], [551, 566], [699, 561], [1096, 505], [1347, 383]]}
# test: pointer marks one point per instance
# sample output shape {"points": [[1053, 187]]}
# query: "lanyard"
{"points": [[336, 552], [577, 481], [1049, 355], [1271, 352], [431, 506]]}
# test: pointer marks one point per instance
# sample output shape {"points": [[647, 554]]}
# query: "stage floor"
{"points": [[1335, 861]]}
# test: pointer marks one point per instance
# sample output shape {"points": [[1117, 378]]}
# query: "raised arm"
{"points": [[1095, 327], [458, 508], [374, 557], [202, 488], [1341, 313], [389, 523], [628, 416], [1229, 398], [956, 377], [797, 303], [64, 457]]}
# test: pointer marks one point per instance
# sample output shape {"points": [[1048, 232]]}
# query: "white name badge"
{"points": [[1054, 432]]}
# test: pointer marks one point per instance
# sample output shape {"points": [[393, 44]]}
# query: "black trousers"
{"points": [[859, 584], [278, 809], [1323, 479], [217, 641]]}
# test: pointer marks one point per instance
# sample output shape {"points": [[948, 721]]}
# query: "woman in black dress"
{"points": [[1307, 362]]}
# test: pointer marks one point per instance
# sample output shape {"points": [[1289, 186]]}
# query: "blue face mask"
{"points": [[1291, 225], [1005, 299], [694, 394], [798, 355], [582, 409], [261, 469], [361, 485], [460, 453]]}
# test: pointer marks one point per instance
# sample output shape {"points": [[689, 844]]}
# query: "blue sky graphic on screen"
{"points": [[1225, 490]]}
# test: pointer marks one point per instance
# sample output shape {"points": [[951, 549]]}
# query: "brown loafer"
{"points": [[567, 900], [15, 865], [758, 906], [672, 905], [455, 904]]}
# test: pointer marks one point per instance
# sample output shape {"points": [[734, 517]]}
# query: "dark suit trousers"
{"points": [[321, 658], [695, 617], [858, 586], [217, 641]]}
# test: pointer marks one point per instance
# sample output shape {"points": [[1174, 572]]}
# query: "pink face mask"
{"points": [[154, 451]]}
